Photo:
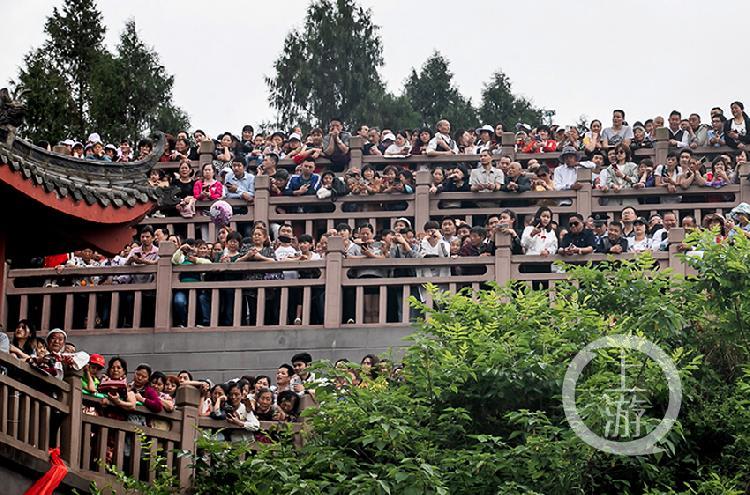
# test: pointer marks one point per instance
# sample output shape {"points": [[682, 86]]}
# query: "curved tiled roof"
{"points": [[118, 185]]}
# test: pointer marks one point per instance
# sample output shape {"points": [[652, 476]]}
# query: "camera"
{"points": [[228, 408]]}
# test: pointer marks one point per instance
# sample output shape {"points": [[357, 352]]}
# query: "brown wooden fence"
{"points": [[38, 412], [249, 296]]}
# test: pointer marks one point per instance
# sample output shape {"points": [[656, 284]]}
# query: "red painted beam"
{"points": [[67, 205]]}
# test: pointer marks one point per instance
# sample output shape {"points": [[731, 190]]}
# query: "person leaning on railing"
{"points": [[578, 239], [191, 252]]}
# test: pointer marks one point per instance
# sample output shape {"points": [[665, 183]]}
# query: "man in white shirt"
{"points": [[677, 137], [442, 144]]}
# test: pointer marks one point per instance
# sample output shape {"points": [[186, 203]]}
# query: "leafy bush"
{"points": [[479, 407]]}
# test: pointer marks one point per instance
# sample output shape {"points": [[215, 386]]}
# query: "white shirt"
{"points": [[534, 245], [283, 253], [481, 175], [432, 145], [638, 246], [564, 177]]}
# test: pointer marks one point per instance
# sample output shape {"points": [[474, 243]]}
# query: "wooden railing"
{"points": [[38, 412], [314, 216], [339, 293]]}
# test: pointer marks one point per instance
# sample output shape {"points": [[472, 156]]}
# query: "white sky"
{"points": [[584, 57]]}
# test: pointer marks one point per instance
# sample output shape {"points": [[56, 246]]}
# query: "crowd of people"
{"points": [[609, 152], [238, 160], [243, 401]]}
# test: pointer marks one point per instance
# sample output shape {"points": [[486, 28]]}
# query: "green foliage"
{"points": [[329, 68], [51, 109], [132, 92], [75, 85], [500, 105], [479, 407], [432, 94]]}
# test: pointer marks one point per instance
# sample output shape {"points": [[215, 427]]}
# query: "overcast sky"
{"points": [[585, 57]]}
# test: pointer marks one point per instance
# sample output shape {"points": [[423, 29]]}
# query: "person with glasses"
{"points": [[578, 239]]}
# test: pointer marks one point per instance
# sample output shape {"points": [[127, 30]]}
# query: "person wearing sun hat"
{"points": [[485, 134]]}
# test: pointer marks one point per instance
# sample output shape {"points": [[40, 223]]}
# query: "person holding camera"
{"points": [[539, 239]]}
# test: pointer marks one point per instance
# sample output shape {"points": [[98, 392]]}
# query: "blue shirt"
{"points": [[244, 185], [298, 181]]}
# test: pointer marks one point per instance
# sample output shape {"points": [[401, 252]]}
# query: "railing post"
{"points": [[502, 258], [422, 199], [163, 318], [508, 145], [583, 195], [262, 195], [675, 239], [743, 170], [661, 146], [355, 150], [206, 152], [334, 276], [70, 430], [187, 400]]}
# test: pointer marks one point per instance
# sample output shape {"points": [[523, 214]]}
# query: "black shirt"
{"points": [[583, 239], [605, 244]]}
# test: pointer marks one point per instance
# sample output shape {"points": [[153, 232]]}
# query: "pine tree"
{"points": [[329, 68], [51, 109], [132, 92], [500, 105], [74, 44], [432, 94]]}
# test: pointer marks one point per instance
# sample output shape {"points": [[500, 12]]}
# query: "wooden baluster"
{"points": [[70, 431], [333, 276], [283, 305], [68, 321], [86, 439], [306, 305], [135, 458], [405, 308], [46, 312], [120, 448], [214, 321], [260, 307], [102, 448], [187, 401], [137, 308], [114, 311], [191, 308], [383, 305], [359, 317], [91, 312], [23, 310], [163, 315], [422, 198], [237, 308]]}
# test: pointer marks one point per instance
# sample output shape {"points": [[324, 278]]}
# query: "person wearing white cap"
{"points": [[294, 146], [400, 147], [485, 138], [77, 150], [94, 138]]}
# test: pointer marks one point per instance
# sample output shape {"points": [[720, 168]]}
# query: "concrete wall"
{"points": [[221, 355]]}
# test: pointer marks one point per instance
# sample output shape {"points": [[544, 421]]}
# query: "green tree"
{"points": [[51, 108], [499, 104], [432, 94], [131, 92], [74, 44], [329, 68]]}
